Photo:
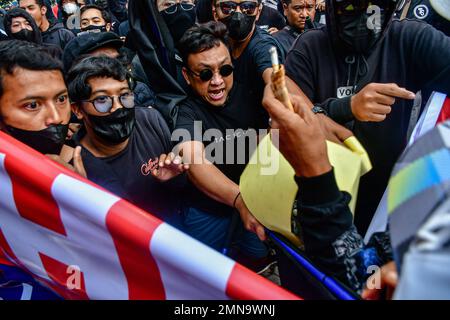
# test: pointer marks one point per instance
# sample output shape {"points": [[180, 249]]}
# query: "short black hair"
{"points": [[215, 2], [288, 2], [94, 67], [105, 14], [26, 55], [202, 37], [40, 3]]}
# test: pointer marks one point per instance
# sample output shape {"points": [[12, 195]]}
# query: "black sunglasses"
{"points": [[104, 103], [247, 7], [207, 74]]}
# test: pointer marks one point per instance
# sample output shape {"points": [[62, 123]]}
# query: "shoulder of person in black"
{"points": [[271, 18], [286, 38], [256, 56]]}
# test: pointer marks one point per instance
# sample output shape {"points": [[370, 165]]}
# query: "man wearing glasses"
{"points": [[132, 143], [215, 103]]}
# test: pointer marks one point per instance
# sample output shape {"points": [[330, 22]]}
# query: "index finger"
{"points": [[393, 90]]}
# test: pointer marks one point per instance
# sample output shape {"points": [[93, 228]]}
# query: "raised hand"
{"points": [[169, 166], [301, 138]]}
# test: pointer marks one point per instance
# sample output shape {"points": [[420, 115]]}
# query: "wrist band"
{"points": [[235, 199]]}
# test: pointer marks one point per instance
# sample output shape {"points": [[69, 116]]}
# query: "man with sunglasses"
{"points": [[132, 143], [216, 106], [363, 67]]}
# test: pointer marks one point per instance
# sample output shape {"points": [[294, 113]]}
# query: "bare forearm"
{"points": [[213, 183]]}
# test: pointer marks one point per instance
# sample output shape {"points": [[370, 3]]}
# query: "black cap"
{"points": [[88, 42]]}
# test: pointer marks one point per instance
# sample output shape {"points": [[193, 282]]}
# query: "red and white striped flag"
{"points": [[59, 226]]}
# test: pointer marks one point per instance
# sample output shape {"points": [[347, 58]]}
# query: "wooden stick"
{"points": [[278, 80]]}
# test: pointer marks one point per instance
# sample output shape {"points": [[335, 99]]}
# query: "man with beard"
{"points": [[131, 143], [363, 67]]}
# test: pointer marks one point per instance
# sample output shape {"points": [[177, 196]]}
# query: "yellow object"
{"points": [[268, 187]]}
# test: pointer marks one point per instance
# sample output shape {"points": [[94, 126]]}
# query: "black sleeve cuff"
{"points": [[318, 190], [340, 110]]}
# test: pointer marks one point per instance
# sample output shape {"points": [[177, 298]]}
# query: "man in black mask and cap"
{"points": [[363, 67]]}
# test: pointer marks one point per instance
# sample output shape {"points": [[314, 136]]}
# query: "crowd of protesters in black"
{"points": [[104, 87]]}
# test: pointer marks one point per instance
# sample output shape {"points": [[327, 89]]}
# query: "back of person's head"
{"points": [[93, 67], [26, 55], [201, 38], [33, 35]]}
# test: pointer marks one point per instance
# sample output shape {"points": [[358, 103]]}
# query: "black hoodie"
{"points": [[155, 48], [57, 35], [18, 12], [54, 51], [411, 54]]}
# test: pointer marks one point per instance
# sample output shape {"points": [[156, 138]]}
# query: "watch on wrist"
{"points": [[318, 109]]}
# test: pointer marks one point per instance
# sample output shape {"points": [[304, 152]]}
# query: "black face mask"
{"points": [[25, 35], [92, 28], [239, 25], [114, 128], [179, 21], [356, 34], [47, 141]]}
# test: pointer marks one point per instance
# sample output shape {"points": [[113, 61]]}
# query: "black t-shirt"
{"points": [[286, 38], [132, 167], [249, 67], [411, 54], [234, 125]]}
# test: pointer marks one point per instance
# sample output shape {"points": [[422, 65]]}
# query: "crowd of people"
{"points": [[155, 100]]}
